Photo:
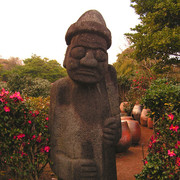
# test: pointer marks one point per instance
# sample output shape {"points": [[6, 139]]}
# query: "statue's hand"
{"points": [[112, 130], [85, 169]]}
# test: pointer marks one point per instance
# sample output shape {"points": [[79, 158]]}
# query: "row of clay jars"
{"points": [[131, 133]]}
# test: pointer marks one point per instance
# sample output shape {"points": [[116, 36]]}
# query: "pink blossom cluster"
{"points": [[19, 136], [45, 149], [16, 95]]}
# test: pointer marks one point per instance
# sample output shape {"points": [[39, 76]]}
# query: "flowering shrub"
{"points": [[24, 137], [163, 159], [138, 87]]}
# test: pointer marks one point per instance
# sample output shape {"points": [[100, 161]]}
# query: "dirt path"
{"points": [[130, 163]]}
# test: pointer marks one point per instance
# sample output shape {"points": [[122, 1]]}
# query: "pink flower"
{"points": [[20, 136], [151, 78], [16, 95], [134, 80], [177, 144], [146, 162], [178, 161], [33, 137], [38, 139], [46, 126], [2, 100], [33, 115], [171, 116], [3, 92], [171, 153], [42, 150], [29, 122], [36, 112], [6, 109], [47, 118], [22, 154], [153, 140], [46, 148], [174, 128]]}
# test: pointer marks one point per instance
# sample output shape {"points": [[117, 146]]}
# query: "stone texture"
{"points": [[84, 110]]}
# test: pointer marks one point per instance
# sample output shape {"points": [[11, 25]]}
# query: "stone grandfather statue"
{"points": [[84, 110]]}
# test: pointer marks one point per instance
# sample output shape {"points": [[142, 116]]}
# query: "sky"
{"points": [[38, 27]]}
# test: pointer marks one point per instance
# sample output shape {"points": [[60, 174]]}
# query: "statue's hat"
{"points": [[90, 22]]}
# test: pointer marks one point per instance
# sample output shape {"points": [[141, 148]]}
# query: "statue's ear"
{"points": [[66, 56]]}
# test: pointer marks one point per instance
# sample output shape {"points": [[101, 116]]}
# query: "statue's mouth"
{"points": [[86, 72]]}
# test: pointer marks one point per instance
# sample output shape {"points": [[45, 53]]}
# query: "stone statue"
{"points": [[84, 110]]}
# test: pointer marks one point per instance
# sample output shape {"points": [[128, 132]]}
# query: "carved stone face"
{"points": [[86, 58]]}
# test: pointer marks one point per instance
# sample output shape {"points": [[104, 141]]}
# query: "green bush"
{"points": [[162, 94], [3, 84], [163, 159], [27, 85], [24, 137], [37, 87]]}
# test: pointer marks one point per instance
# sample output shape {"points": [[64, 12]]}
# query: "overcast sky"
{"points": [[38, 26]]}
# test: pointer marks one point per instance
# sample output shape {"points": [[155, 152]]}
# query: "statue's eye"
{"points": [[101, 56], [78, 52]]}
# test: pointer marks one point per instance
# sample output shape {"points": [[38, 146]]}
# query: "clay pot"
{"points": [[122, 109], [144, 117], [126, 139], [136, 112], [126, 118], [150, 123], [135, 130]]}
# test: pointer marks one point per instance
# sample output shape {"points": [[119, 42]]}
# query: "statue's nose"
{"points": [[89, 60]]}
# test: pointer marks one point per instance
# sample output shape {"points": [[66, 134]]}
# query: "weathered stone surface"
{"points": [[84, 111]]}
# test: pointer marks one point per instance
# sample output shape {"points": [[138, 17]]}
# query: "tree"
{"points": [[6, 65], [36, 67], [132, 75], [157, 36]]}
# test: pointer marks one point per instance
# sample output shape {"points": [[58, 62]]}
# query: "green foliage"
{"points": [[27, 85], [17, 82], [163, 159], [24, 137], [162, 93], [157, 37], [3, 84], [36, 67], [125, 66], [37, 87]]}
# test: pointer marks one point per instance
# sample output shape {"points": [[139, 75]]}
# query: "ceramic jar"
{"points": [[126, 139], [135, 130], [144, 117], [150, 123], [126, 118], [136, 112], [122, 108]]}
